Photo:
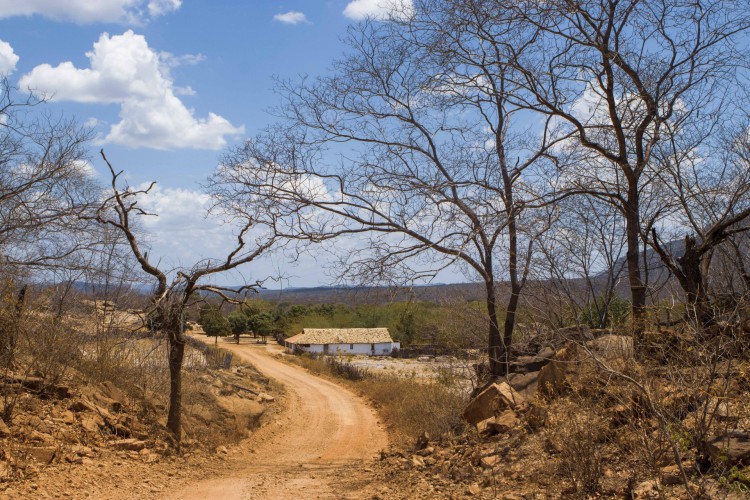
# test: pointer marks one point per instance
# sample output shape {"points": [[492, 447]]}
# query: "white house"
{"points": [[368, 341]]}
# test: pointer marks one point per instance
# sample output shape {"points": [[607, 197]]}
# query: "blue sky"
{"points": [[167, 85]]}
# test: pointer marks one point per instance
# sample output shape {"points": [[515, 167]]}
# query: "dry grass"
{"points": [[87, 345]]}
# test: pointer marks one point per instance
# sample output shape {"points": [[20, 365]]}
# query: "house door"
{"points": [[325, 348]]}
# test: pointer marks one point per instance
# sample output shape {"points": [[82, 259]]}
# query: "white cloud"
{"points": [[172, 61], [124, 70], [88, 11], [180, 228], [160, 7], [91, 122], [378, 9], [291, 17], [8, 59]]}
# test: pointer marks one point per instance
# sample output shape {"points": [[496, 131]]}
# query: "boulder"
{"points": [[68, 417], [503, 422], [547, 353], [426, 451], [525, 383], [42, 454], [120, 429], [34, 422], [40, 437], [612, 347], [100, 400], [490, 402], [81, 406], [113, 392], [130, 444], [59, 391], [473, 490], [82, 451], [722, 411], [92, 423], [575, 333], [555, 377], [731, 448], [575, 359], [527, 364]]}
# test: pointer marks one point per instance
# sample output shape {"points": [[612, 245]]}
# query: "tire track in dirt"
{"points": [[317, 448]]}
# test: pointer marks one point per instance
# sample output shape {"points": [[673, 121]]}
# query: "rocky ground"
{"points": [[80, 441], [568, 424], [574, 419]]}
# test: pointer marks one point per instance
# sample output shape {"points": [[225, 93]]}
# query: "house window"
{"points": [[351, 347]]}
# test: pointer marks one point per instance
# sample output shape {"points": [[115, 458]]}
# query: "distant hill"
{"points": [[453, 292], [375, 295]]}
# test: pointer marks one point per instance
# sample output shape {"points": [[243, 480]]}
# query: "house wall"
{"points": [[381, 349]]}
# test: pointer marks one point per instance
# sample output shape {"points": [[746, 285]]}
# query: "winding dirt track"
{"points": [[317, 448]]}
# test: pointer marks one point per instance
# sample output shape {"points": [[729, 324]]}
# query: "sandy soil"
{"points": [[319, 447]]}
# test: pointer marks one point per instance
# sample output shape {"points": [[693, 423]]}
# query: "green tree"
{"points": [[213, 322], [238, 323], [261, 323], [406, 328]]}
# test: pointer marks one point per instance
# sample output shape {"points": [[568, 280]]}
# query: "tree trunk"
{"points": [[515, 287], [692, 282], [176, 356], [637, 288], [497, 350], [510, 322]]}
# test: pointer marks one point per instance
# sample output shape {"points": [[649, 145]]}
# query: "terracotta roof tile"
{"points": [[341, 336]]}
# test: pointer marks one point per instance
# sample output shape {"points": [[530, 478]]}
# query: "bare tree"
{"points": [[44, 182], [413, 142], [581, 259], [617, 72], [708, 202], [175, 290], [44, 188]]}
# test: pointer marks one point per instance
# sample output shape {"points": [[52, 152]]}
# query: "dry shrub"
{"points": [[35, 343], [579, 436], [411, 407]]}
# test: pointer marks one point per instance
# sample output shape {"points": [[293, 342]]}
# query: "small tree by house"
{"points": [[237, 323], [261, 324], [213, 322]]}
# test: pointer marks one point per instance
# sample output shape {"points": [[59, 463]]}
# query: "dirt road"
{"points": [[318, 448]]}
